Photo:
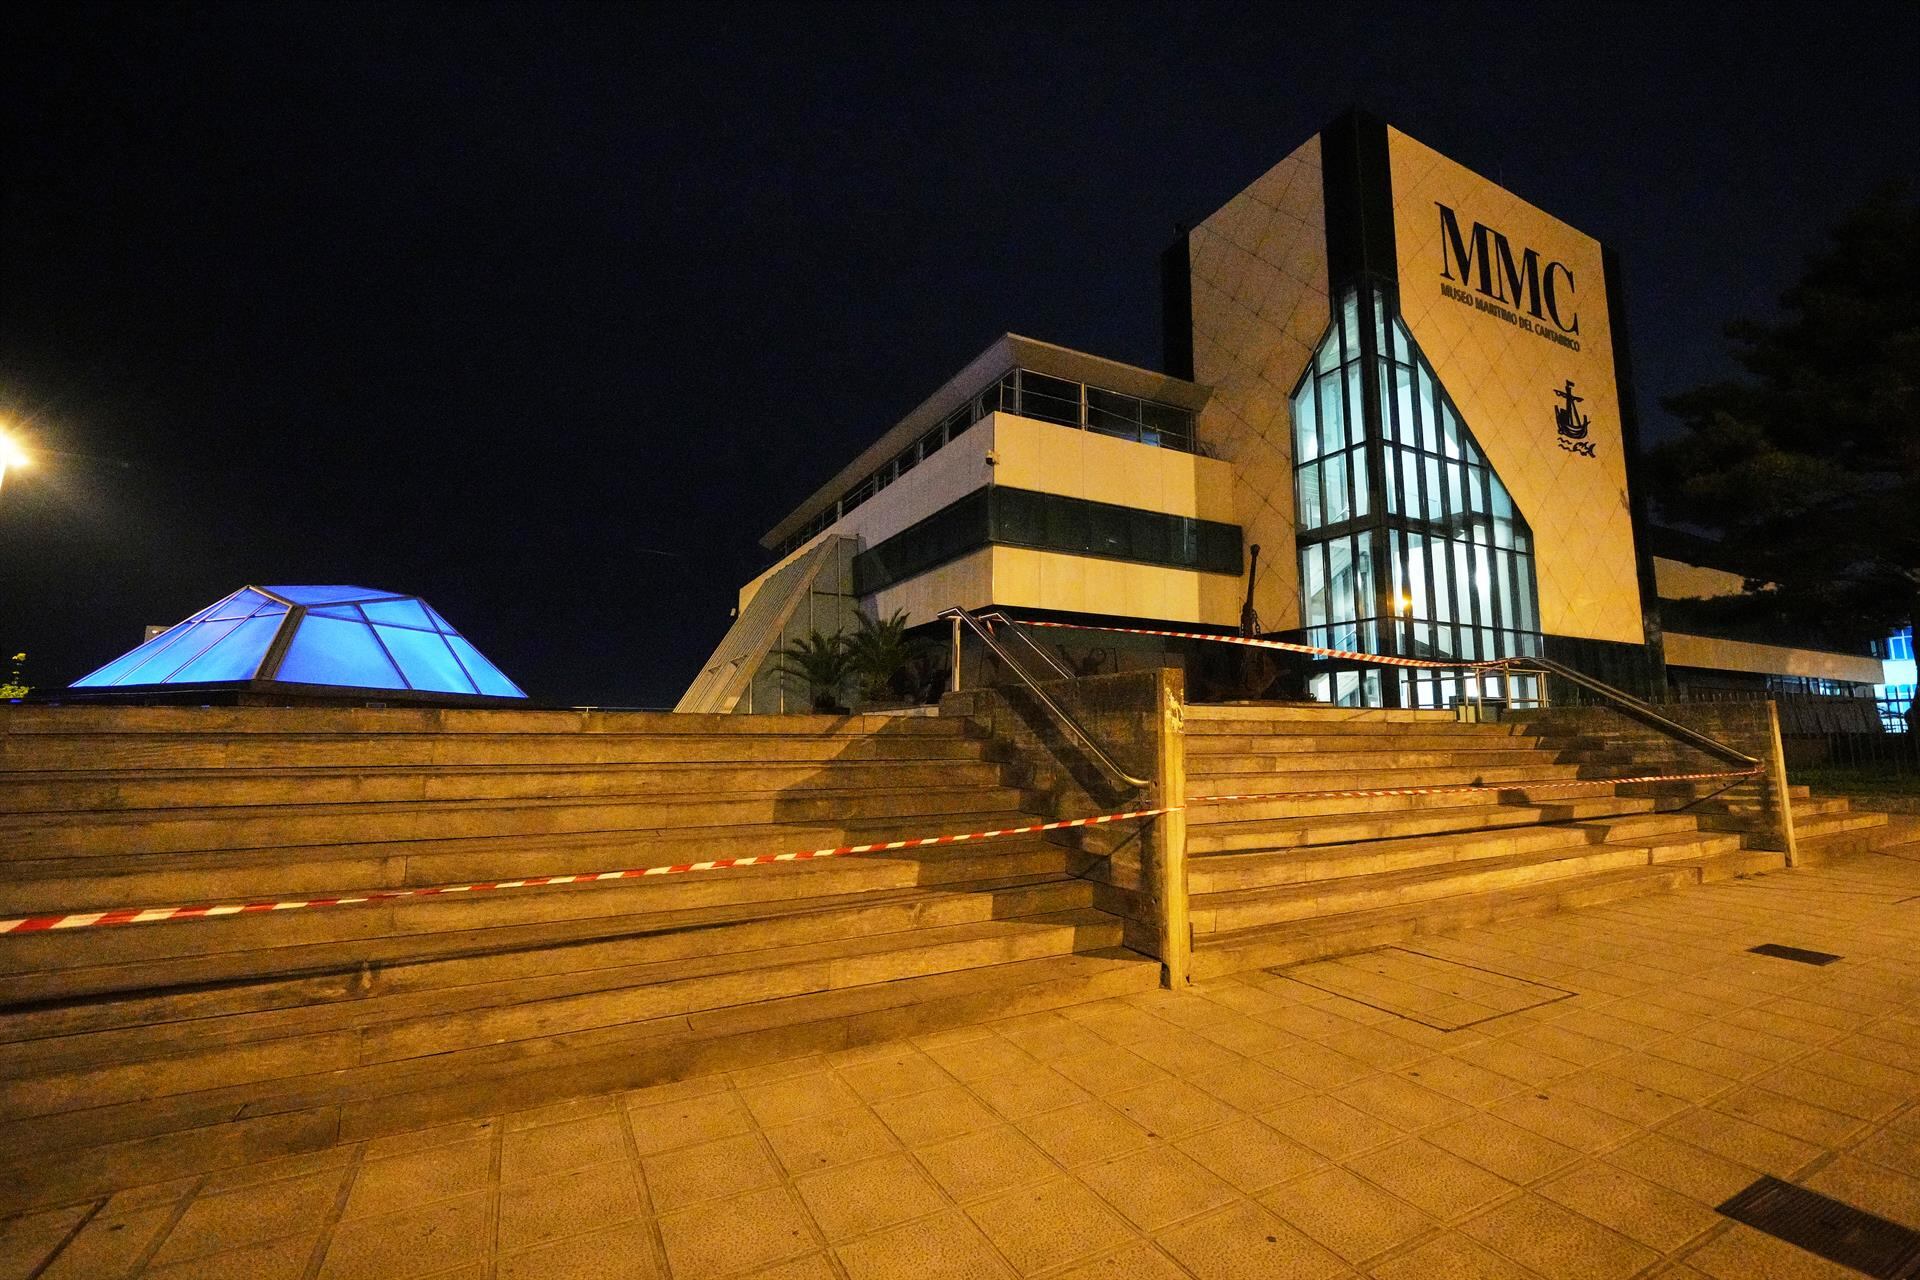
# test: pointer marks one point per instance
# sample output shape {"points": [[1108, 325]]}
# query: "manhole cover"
{"points": [[1443, 994], [1779, 952], [1831, 1228]]}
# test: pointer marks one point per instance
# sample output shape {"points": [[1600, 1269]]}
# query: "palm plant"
{"points": [[822, 663], [879, 651]]}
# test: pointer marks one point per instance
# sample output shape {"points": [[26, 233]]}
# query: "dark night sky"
{"points": [[479, 302]]}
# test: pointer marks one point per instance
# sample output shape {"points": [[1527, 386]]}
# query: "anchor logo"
{"points": [[1572, 423]]}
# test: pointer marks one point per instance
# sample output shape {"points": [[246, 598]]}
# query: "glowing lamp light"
{"points": [[11, 454]]}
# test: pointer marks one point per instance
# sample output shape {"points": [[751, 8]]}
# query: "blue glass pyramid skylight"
{"points": [[338, 637]]}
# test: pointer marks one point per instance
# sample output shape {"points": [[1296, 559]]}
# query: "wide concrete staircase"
{"points": [[183, 1046], [1280, 881]]}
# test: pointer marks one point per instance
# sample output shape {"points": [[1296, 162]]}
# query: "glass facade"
{"points": [[347, 637], [1409, 544], [1895, 696], [1031, 395]]}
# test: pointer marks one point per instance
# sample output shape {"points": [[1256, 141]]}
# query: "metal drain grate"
{"points": [[1836, 1231], [1779, 952]]}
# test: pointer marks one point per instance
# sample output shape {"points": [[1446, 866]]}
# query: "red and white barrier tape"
{"points": [[1287, 645], [154, 915], [1460, 787]]}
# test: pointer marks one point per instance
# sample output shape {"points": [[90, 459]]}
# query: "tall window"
{"points": [[1438, 563]]}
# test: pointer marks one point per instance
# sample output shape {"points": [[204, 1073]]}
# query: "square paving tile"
{"points": [[1245, 1242], [437, 1173], [1558, 1242], [820, 1142], [289, 1207], [854, 1199], [709, 1171], [948, 1247], [1083, 1133], [1438, 1183], [797, 1097], [1049, 1225], [1346, 1214], [903, 1072], [565, 1204], [617, 1253], [1331, 1127], [414, 1242], [555, 1148], [1250, 1155], [727, 1237], [982, 1163], [935, 1116], [1662, 1220], [1157, 1186], [1451, 1256], [685, 1121], [1507, 1150]]}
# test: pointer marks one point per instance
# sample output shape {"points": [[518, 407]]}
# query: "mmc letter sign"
{"points": [[1509, 305], [1485, 261]]}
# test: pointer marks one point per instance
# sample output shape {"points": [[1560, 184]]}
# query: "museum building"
{"points": [[1404, 384]]}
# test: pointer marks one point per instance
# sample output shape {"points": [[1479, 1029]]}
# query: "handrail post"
{"points": [[1170, 879], [953, 669], [1777, 779]]}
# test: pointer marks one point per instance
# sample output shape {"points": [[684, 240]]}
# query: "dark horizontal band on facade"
{"points": [[995, 515]]}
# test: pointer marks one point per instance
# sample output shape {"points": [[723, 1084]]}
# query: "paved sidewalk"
{"points": [[1616, 1073]]}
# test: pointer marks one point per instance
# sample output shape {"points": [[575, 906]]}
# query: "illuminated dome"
{"points": [[313, 640]]}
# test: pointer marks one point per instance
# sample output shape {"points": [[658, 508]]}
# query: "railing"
{"points": [[1635, 707], [961, 617]]}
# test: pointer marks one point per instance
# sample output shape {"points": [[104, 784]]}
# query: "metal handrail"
{"points": [[1058, 667], [1060, 713], [1632, 705]]}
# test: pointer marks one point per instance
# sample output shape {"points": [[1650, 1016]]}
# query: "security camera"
{"points": [[993, 459]]}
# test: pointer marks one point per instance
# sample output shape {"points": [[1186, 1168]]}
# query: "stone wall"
{"points": [[1747, 727], [1135, 716]]}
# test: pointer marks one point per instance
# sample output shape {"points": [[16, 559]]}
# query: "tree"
{"points": [[821, 663], [15, 685], [1809, 466], [879, 651]]}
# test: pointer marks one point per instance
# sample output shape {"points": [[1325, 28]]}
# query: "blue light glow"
{"points": [[326, 636]]}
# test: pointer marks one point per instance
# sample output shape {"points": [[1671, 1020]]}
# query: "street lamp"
{"points": [[11, 455]]}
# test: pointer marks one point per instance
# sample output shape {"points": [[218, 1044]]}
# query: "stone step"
{"points": [[1317, 939], [282, 981], [1314, 712], [1691, 845], [1202, 764], [34, 965], [53, 721], [1259, 908], [103, 881], [265, 826], [1285, 824], [1733, 864], [1248, 773], [114, 790], [42, 1077], [1216, 743], [90, 1153], [47, 751], [1321, 864]]}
